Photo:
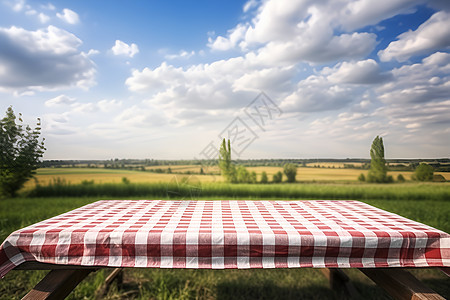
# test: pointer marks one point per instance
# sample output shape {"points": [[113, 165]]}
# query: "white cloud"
{"points": [[286, 31], [316, 93], [109, 105], [121, 48], [419, 83], [234, 36], [361, 13], [93, 52], [43, 18], [44, 59], [68, 16], [183, 54], [59, 100], [249, 5], [360, 72], [18, 5], [432, 35], [319, 49], [48, 6]]}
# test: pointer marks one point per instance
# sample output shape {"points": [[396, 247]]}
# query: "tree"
{"points": [[264, 178], [227, 169], [424, 172], [277, 177], [20, 152], [253, 177], [361, 177], [400, 178], [290, 170], [243, 176], [378, 169]]}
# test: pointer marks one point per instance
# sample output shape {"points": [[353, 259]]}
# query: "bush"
{"points": [[278, 177], [291, 171], [264, 178], [424, 172], [400, 178], [125, 180], [253, 177], [361, 177], [243, 176]]}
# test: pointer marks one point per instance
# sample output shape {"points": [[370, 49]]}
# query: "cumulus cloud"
{"points": [[42, 60], [43, 18], [68, 16], [121, 48], [286, 31], [361, 13], [226, 43], [221, 84], [419, 83], [360, 72], [432, 35], [59, 100], [316, 93]]}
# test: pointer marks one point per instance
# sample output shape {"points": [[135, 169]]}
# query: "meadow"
{"points": [[45, 176], [57, 190]]}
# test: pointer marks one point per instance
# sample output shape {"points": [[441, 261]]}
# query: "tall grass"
{"points": [[407, 191]]}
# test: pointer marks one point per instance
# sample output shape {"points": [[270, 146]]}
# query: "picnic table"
{"points": [[227, 235]]}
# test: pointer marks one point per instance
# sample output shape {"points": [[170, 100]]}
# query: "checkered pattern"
{"points": [[228, 234]]}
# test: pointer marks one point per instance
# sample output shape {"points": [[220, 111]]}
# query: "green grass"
{"points": [[210, 284], [406, 191]]}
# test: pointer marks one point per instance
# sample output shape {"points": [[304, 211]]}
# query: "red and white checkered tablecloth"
{"points": [[228, 234]]}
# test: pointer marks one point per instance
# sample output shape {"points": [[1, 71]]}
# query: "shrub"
{"points": [[400, 178], [361, 177], [264, 178], [423, 172], [125, 180], [291, 171], [278, 177], [253, 177]]}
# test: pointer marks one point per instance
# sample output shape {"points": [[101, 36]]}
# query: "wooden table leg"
{"points": [[400, 284], [57, 284], [116, 274]]}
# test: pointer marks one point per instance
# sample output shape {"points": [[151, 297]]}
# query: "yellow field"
{"points": [[100, 175], [186, 168], [76, 175]]}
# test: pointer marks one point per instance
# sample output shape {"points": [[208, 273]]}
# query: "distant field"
{"points": [[46, 176], [100, 175]]}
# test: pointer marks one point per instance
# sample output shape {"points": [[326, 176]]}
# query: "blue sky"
{"points": [[170, 79]]}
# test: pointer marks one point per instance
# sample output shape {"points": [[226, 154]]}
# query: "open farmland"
{"points": [[46, 176]]}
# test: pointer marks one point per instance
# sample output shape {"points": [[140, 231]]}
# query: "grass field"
{"points": [[46, 176], [210, 284], [425, 202]]}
